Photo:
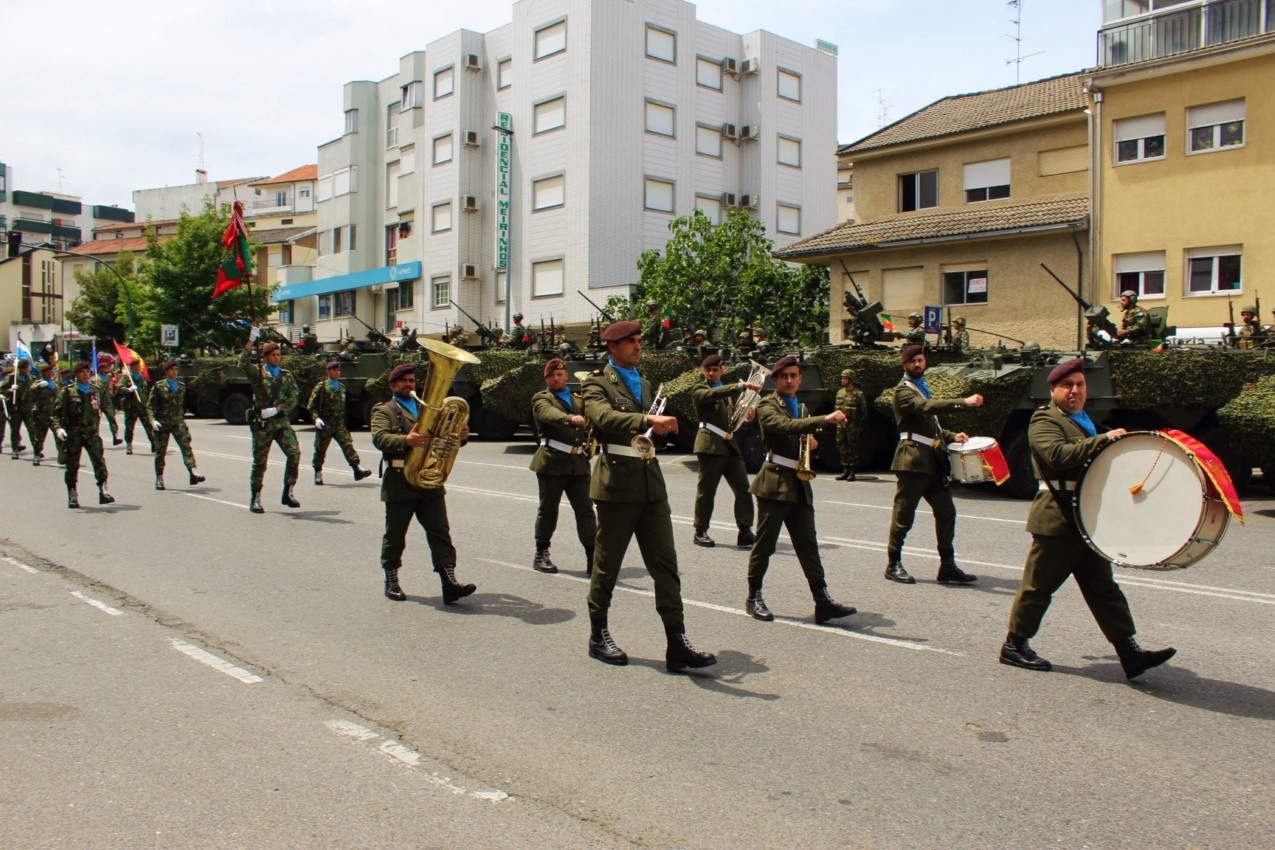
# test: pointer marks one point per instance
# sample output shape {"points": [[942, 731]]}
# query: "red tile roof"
{"points": [[305, 172], [107, 247], [129, 225]]}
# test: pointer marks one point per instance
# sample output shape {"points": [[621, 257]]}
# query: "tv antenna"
{"points": [[883, 109], [1017, 61]]}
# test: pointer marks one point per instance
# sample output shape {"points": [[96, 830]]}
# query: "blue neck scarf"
{"points": [[408, 404], [273, 370], [334, 385], [84, 388], [23, 378], [919, 383], [565, 395], [172, 384], [714, 385], [49, 383], [791, 401], [1082, 419], [632, 380]]}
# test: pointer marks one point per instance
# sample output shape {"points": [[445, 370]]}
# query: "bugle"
{"points": [[642, 443], [804, 470], [748, 399]]}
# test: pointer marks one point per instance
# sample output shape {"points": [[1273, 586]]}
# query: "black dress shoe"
{"points": [[115, 441], [827, 608], [360, 473], [746, 537], [289, 500], [605, 649], [452, 589], [1135, 660], [196, 478], [392, 590], [680, 655], [756, 607], [894, 572], [1016, 652], [950, 572], [103, 497], [702, 539], [845, 474]]}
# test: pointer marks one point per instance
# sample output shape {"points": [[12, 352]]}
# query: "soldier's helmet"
{"points": [[700, 332], [517, 316], [1248, 309], [305, 329], [847, 373], [1130, 294], [959, 321], [652, 304], [915, 316]]}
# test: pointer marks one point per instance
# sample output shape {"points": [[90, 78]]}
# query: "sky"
{"points": [[100, 99]]}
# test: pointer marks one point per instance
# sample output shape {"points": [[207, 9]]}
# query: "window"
{"points": [[405, 295], [343, 304], [391, 185], [1139, 138], [440, 289], [441, 217], [659, 118], [986, 181], [285, 313], [504, 73], [965, 287], [549, 115], [789, 86], [443, 149], [547, 278], [281, 199], [444, 82], [343, 182], [502, 277], [337, 240], [351, 231], [1143, 273], [1213, 270], [708, 73], [919, 191], [391, 124], [351, 121], [412, 96], [788, 219], [661, 44], [303, 192], [548, 192], [708, 141], [710, 206], [659, 195], [1216, 126], [789, 152], [325, 187], [325, 307], [407, 159], [343, 238], [391, 245], [550, 40]]}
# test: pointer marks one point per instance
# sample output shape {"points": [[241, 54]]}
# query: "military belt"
{"points": [[397, 463], [1058, 485], [933, 442], [708, 426], [621, 450], [560, 446], [780, 460]]}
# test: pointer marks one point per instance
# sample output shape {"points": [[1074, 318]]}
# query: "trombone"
{"points": [[748, 399], [642, 443]]}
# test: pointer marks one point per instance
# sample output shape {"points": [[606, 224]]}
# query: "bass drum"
{"points": [[1145, 502]]}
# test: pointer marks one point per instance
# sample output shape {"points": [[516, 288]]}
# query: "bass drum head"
{"points": [[1151, 528]]}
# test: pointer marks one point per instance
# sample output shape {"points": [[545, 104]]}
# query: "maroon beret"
{"points": [[712, 360], [784, 362], [621, 330], [269, 348], [402, 369], [170, 363], [910, 351], [83, 366], [1064, 369], [553, 365], [333, 364], [46, 367]]}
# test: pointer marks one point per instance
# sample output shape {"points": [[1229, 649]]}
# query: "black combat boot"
{"points": [[72, 498], [850, 474], [360, 473], [541, 563], [588, 563], [681, 655], [195, 477], [103, 497], [128, 450], [1016, 652], [115, 441], [950, 573], [746, 537], [318, 478], [846, 473], [289, 498], [603, 647], [827, 608], [159, 482], [254, 504], [453, 590], [35, 461], [392, 590], [1135, 660], [756, 606], [894, 570], [702, 538]]}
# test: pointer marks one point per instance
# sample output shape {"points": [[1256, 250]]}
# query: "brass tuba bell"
{"points": [[440, 416]]}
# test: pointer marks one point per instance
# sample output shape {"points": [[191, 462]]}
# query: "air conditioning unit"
{"points": [[471, 138], [730, 66], [750, 66], [749, 202], [469, 271], [376, 287], [728, 199], [472, 63], [469, 204], [750, 132], [728, 131]]}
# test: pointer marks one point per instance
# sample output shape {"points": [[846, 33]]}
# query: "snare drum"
{"points": [[1175, 518], [970, 464]]}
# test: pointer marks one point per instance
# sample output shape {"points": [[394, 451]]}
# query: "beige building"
{"points": [[958, 205], [31, 299]]}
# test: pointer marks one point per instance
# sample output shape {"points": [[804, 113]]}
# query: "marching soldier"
{"points": [[920, 462], [784, 500], [167, 407], [718, 454], [960, 341], [133, 394], [851, 402], [274, 395], [15, 396], [4, 404], [107, 386], [392, 433], [561, 465], [327, 407], [1063, 438], [915, 334], [1135, 324], [631, 500], [38, 412], [75, 418]]}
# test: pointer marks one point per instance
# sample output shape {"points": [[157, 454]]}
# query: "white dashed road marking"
{"points": [[205, 657], [101, 606]]}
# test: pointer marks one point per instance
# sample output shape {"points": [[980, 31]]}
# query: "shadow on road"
{"points": [[1183, 686], [725, 677], [503, 605], [330, 517], [116, 508]]}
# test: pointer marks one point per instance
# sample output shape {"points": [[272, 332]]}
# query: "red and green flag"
{"points": [[128, 355], [238, 265]]}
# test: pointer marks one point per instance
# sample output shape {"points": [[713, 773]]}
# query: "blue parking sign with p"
{"points": [[933, 320]]}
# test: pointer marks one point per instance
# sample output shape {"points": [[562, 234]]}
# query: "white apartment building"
{"points": [[52, 218], [619, 117]]}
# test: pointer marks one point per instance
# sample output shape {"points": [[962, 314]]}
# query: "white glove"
{"points": [[159, 426], [61, 433], [318, 423], [252, 336], [133, 388], [269, 412]]}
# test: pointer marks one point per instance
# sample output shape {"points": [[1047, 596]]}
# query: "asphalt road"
{"points": [[251, 687]]}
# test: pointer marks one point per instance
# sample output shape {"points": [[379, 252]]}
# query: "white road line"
{"points": [[205, 657], [21, 565], [396, 751], [209, 499], [248, 459], [927, 513], [787, 621], [497, 465], [101, 606]]}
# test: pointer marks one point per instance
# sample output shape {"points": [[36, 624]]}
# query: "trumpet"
{"points": [[748, 399], [804, 470], [642, 443], [590, 437]]}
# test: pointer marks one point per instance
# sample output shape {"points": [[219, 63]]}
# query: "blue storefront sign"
{"points": [[346, 282]]}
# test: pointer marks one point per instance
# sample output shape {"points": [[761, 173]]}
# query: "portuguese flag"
{"points": [[238, 265], [887, 322]]}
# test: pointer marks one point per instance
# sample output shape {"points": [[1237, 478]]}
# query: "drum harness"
{"points": [[935, 443]]}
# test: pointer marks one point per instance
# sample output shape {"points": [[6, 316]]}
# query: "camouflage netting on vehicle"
{"points": [[307, 370], [1000, 396], [1249, 420], [1185, 378], [209, 378], [679, 389]]}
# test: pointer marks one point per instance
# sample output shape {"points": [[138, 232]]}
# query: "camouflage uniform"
{"points": [[329, 405], [79, 414], [281, 393], [16, 408], [960, 339], [135, 406], [854, 405], [167, 406], [1138, 324], [1250, 330], [37, 411], [105, 387]]}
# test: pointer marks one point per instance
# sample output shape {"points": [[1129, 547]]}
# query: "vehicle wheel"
{"points": [[235, 407], [751, 447], [828, 456], [684, 439], [207, 409], [1022, 483], [493, 426]]}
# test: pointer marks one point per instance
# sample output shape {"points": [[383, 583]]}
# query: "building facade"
{"points": [[62, 221], [31, 302]]}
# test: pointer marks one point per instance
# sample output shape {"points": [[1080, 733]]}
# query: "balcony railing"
{"points": [[1182, 30]]}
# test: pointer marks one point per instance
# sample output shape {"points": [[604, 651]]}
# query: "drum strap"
{"points": [[1062, 498]]}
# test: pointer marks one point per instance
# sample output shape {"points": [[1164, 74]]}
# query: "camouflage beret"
{"points": [[1066, 368], [910, 351], [617, 331], [269, 348], [170, 364], [401, 370], [712, 360], [333, 364], [783, 363], [553, 365]]}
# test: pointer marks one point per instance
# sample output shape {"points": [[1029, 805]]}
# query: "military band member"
{"points": [[920, 462], [274, 395], [107, 386], [718, 453], [783, 499], [1062, 439], [15, 395], [133, 393], [392, 433], [561, 465], [75, 418], [167, 407], [38, 412], [327, 407], [960, 341], [631, 500], [1135, 323], [851, 402]]}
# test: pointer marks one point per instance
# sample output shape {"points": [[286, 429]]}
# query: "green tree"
{"points": [[723, 278], [101, 309]]}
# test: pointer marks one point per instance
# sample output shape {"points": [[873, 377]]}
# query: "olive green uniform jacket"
{"points": [[916, 414], [280, 392], [553, 422], [617, 418], [714, 405], [781, 434], [1060, 448]]}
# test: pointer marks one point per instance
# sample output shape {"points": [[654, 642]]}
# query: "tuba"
{"points": [[748, 400], [441, 417]]}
